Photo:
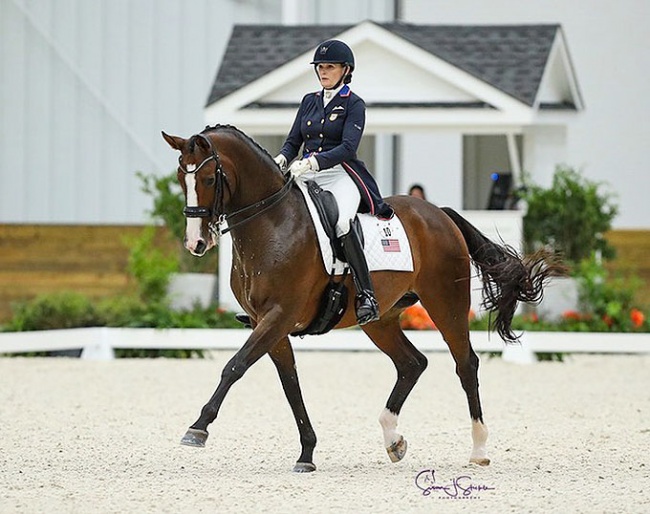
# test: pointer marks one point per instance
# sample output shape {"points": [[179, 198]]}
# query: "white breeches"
{"points": [[338, 182]]}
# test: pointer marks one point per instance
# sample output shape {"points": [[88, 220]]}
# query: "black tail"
{"points": [[507, 278]]}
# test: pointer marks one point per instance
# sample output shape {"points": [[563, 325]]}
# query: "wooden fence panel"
{"points": [[89, 259], [92, 259]]}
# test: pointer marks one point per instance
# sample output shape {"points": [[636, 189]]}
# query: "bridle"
{"points": [[217, 212]]}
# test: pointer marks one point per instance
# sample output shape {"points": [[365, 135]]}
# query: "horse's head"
{"points": [[203, 181], [235, 184]]}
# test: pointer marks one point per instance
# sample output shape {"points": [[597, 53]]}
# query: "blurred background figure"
{"points": [[418, 191]]}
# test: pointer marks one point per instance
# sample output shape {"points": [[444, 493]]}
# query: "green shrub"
{"points": [[73, 310], [150, 266], [168, 201], [125, 312], [54, 311], [168, 204], [570, 217], [609, 301]]}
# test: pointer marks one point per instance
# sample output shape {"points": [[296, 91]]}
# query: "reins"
{"points": [[216, 213], [266, 203]]}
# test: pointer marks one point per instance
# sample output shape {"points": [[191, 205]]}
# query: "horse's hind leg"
{"points": [[282, 356], [409, 364], [451, 319]]}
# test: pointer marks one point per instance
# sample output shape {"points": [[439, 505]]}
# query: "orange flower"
{"points": [[637, 317], [471, 315], [416, 317], [531, 318], [573, 315], [608, 320]]}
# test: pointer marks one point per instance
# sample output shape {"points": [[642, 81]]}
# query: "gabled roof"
{"points": [[510, 58]]}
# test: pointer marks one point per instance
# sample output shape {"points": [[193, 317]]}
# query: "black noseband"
{"points": [[197, 212]]}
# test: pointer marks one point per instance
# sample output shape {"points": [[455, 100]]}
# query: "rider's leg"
{"points": [[338, 182], [366, 304]]}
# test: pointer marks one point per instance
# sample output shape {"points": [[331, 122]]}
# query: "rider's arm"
{"points": [[292, 144]]}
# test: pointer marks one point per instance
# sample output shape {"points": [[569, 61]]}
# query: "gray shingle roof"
{"points": [[511, 58]]}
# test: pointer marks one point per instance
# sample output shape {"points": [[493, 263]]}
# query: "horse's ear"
{"points": [[175, 142], [203, 143]]}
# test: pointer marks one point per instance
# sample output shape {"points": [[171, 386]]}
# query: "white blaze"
{"points": [[193, 225]]}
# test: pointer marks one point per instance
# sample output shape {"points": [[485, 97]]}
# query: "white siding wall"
{"points": [[434, 160], [608, 42], [336, 12], [86, 86]]}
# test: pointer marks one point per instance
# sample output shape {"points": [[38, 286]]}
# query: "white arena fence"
{"points": [[99, 343]]}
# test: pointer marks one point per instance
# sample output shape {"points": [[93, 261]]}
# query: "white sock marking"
{"points": [[388, 422], [479, 438]]}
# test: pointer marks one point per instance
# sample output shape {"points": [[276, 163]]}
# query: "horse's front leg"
{"points": [[283, 358], [263, 338]]}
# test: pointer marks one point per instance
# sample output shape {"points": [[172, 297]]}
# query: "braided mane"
{"points": [[262, 152]]}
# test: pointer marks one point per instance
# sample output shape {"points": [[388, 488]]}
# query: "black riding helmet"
{"points": [[335, 52]]}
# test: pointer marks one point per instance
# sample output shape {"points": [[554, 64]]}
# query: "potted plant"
{"points": [[569, 218]]}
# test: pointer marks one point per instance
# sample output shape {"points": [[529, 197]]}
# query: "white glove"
{"points": [[297, 168], [281, 161]]}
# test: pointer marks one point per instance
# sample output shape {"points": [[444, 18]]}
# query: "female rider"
{"points": [[325, 136]]}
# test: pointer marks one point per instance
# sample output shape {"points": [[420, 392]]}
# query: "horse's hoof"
{"points": [[304, 467], [397, 450], [195, 437], [484, 461]]}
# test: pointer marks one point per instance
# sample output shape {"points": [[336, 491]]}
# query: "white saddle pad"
{"points": [[386, 243]]}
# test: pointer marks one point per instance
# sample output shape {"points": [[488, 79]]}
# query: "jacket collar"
{"points": [[344, 92]]}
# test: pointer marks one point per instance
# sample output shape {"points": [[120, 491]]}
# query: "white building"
{"points": [[87, 85]]}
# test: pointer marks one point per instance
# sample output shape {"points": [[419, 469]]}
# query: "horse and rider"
{"points": [[227, 177]]}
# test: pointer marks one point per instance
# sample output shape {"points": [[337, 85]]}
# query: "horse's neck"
{"points": [[277, 227], [255, 178]]}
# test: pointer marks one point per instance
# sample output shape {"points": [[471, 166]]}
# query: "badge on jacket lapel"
{"points": [[334, 114]]}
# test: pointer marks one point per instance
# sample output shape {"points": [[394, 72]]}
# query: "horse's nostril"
{"points": [[200, 246]]}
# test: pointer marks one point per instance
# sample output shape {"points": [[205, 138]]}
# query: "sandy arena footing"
{"points": [[81, 436]]}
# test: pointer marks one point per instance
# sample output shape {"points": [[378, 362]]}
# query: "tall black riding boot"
{"points": [[366, 304]]}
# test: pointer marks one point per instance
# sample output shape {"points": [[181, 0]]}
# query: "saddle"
{"points": [[334, 301]]}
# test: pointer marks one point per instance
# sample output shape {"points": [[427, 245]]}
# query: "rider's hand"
{"points": [[281, 161], [297, 168]]}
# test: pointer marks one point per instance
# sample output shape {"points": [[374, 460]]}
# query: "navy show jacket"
{"points": [[332, 135]]}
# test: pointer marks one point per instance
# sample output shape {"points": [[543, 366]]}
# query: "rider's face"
{"points": [[329, 74]]}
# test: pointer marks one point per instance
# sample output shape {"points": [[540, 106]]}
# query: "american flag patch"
{"points": [[390, 245]]}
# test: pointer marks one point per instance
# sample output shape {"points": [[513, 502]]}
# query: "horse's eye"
{"points": [[209, 181]]}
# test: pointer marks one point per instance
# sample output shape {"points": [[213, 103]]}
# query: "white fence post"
{"points": [[518, 353], [99, 347]]}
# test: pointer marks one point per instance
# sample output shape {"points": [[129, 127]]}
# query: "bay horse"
{"points": [[278, 277]]}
